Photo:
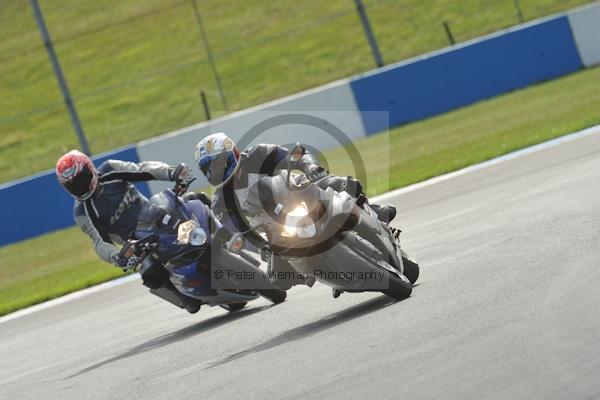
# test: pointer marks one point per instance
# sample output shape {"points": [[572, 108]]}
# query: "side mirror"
{"points": [[297, 153], [236, 243]]}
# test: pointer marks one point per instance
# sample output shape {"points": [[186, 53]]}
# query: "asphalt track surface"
{"points": [[507, 306]]}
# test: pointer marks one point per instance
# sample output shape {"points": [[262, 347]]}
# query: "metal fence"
{"points": [[136, 68]]}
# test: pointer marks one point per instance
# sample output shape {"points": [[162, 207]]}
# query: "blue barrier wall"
{"points": [[409, 91], [464, 74], [39, 205]]}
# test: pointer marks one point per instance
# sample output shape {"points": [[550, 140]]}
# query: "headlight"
{"points": [[298, 223], [190, 232], [306, 228], [197, 237]]}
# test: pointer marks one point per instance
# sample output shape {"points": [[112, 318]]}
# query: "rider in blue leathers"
{"points": [[107, 205]]}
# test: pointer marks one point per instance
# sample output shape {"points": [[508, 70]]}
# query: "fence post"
{"points": [[62, 82], [364, 19], [519, 11], [210, 55], [205, 104], [449, 33]]}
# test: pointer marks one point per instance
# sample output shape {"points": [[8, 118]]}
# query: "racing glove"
{"points": [[316, 172], [182, 176], [127, 258]]}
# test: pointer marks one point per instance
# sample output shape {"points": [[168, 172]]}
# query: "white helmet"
{"points": [[218, 157]]}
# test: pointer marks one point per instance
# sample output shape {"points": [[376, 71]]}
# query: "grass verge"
{"points": [[52, 265]]}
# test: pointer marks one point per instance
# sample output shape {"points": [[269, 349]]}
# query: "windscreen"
{"points": [[271, 196], [160, 213]]}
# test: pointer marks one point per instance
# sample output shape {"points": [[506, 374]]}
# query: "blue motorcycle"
{"points": [[186, 239]]}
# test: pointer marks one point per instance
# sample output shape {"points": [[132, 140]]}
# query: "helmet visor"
{"points": [[80, 185], [218, 168], [204, 165]]}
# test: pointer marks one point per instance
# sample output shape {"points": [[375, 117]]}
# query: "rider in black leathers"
{"points": [[232, 173]]}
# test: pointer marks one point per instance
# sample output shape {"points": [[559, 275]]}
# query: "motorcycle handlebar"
{"points": [[144, 246]]}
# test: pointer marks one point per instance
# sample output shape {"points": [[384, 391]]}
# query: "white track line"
{"points": [[386, 196], [71, 296]]}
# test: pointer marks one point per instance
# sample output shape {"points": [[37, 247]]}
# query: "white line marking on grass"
{"points": [[383, 197]]}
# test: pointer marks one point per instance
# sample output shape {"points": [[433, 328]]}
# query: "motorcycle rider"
{"points": [[232, 173], [107, 206]]}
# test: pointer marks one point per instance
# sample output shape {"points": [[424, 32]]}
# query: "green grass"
{"points": [[141, 78], [49, 266]]}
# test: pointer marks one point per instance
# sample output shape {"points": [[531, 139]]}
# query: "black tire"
{"points": [[231, 307], [411, 268], [399, 289], [192, 308], [275, 296]]}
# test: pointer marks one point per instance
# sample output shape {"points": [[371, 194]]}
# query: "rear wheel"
{"points": [[411, 268], [231, 307], [192, 308], [275, 296]]}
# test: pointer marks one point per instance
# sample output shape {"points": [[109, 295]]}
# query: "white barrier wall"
{"points": [[585, 24], [332, 106]]}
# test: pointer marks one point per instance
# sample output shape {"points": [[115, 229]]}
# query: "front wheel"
{"points": [[231, 307], [399, 288], [275, 296], [411, 268]]}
